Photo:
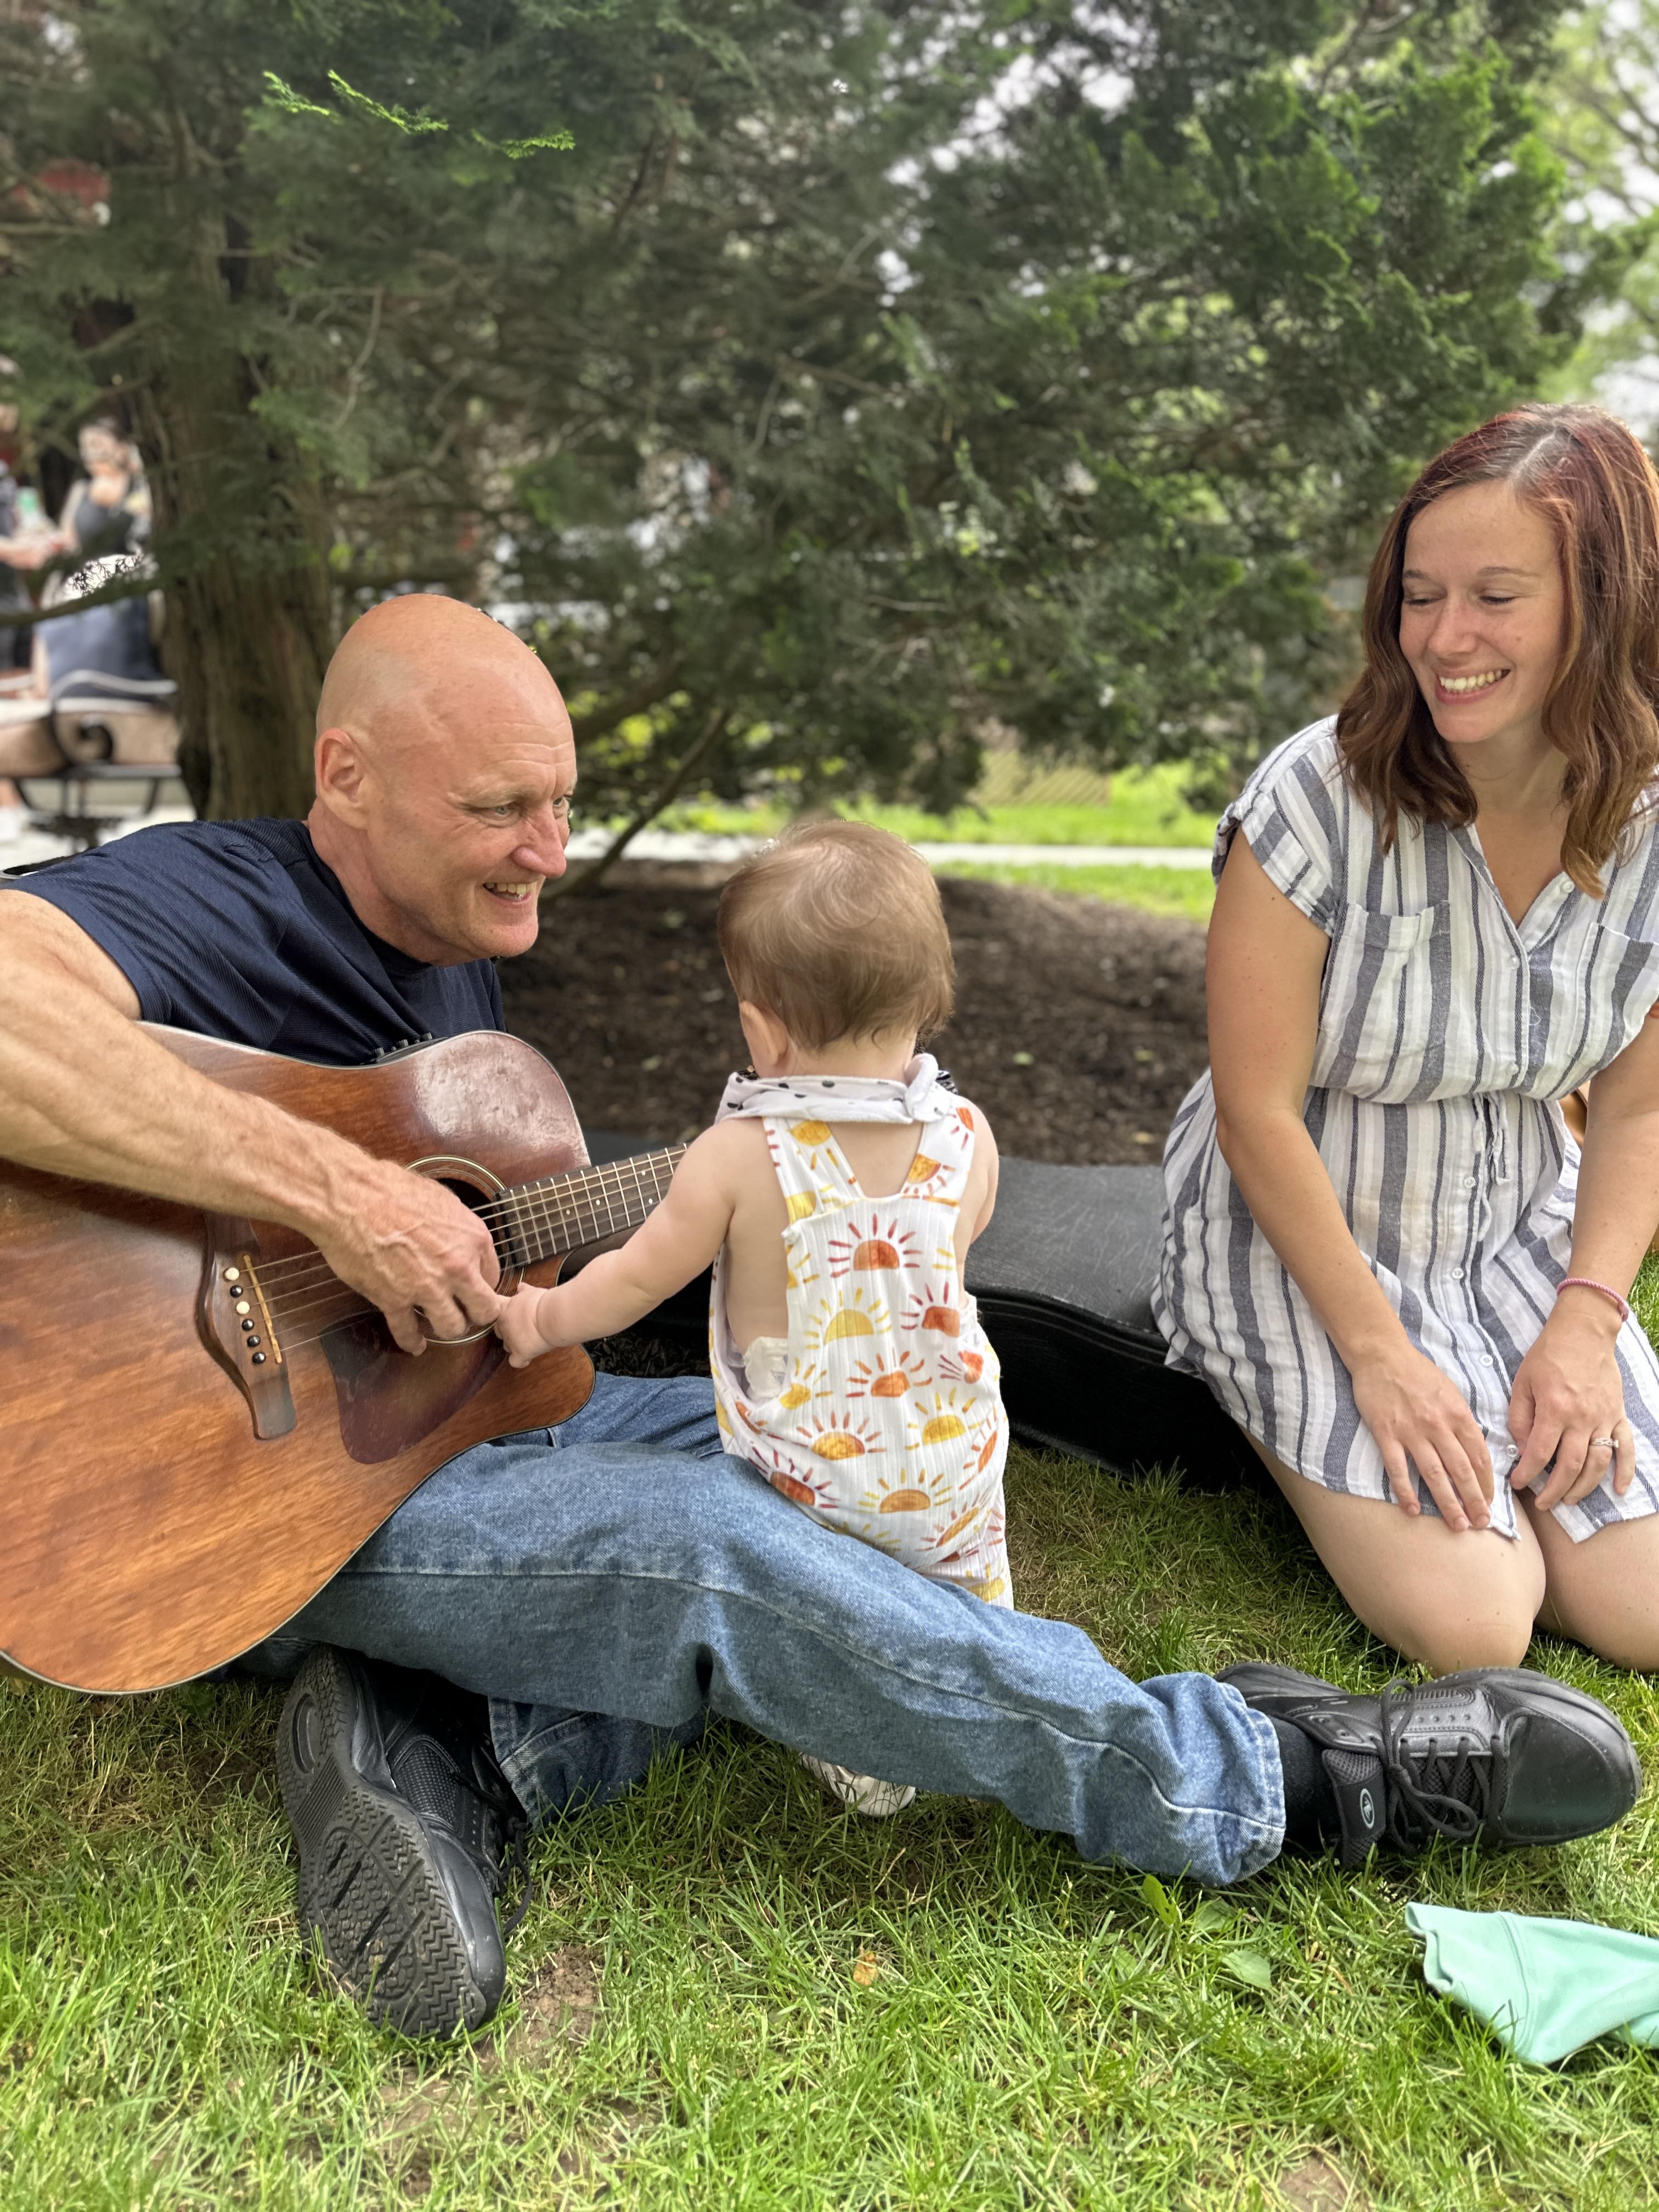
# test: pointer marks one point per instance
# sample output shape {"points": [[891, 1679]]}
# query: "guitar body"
{"points": [[149, 1533]]}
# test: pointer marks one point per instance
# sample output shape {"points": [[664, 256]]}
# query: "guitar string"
{"points": [[355, 1313], [527, 1217], [530, 1209], [604, 1181], [534, 1207], [672, 1154], [545, 1191], [298, 1295]]}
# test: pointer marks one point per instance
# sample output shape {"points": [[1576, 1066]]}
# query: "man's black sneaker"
{"points": [[404, 1824], [1497, 1755]]}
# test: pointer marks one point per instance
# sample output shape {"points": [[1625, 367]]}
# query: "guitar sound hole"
{"points": [[487, 1204]]}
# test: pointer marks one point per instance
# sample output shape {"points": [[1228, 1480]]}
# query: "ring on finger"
{"points": [[1602, 1444]]}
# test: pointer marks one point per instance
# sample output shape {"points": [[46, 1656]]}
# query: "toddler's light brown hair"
{"points": [[837, 930]]}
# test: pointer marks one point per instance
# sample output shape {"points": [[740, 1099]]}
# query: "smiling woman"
{"points": [[1517, 589], [1436, 916]]}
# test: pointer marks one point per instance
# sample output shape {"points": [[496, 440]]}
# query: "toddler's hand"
{"points": [[517, 1326]]}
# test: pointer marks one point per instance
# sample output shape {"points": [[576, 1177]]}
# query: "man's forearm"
{"points": [[85, 1092]]}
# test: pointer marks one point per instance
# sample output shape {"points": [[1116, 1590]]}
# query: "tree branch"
{"points": [[713, 730], [645, 693], [29, 618]]}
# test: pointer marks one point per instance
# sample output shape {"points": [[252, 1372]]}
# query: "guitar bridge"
{"points": [[235, 1319]]}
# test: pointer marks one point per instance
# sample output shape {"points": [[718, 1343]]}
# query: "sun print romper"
{"points": [[1448, 1032], [880, 1412]]}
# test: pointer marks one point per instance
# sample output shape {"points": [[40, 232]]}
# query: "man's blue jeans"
{"points": [[609, 1583]]}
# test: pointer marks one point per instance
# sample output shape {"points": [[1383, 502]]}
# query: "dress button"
{"points": [[1486, 1359], [1469, 1182], [1457, 1274]]}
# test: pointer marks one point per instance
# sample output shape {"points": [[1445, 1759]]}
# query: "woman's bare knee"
{"points": [[1448, 1647], [1450, 1621], [1604, 1593], [1635, 1648], [1446, 1599]]}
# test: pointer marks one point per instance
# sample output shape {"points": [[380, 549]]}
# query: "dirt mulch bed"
{"points": [[1078, 1027]]}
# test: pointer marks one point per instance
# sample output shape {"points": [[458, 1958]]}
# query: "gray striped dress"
{"points": [[1447, 1033]]}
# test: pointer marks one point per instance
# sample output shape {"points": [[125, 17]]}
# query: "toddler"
{"points": [[836, 1195]]}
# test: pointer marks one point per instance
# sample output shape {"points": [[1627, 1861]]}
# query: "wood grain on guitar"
{"points": [[201, 1424]]}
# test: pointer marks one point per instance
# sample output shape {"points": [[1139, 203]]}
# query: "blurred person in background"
{"points": [[20, 546], [108, 508], [23, 545]]}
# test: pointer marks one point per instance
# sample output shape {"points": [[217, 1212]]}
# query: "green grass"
{"points": [[1188, 891], [1147, 808], [789, 2009]]}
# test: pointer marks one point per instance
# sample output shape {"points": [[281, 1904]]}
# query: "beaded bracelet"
{"points": [[1606, 1290]]}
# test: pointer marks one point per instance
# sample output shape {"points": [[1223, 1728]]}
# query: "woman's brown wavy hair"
{"points": [[1590, 478]]}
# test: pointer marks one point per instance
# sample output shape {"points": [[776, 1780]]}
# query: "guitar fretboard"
{"points": [[559, 1214]]}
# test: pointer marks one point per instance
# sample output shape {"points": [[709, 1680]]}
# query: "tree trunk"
{"points": [[249, 617]]}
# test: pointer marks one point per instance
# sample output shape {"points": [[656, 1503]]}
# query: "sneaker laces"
{"points": [[514, 1855], [450, 1773], [1447, 1794]]}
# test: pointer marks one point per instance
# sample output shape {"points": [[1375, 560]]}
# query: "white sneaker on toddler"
{"points": [[860, 1793]]}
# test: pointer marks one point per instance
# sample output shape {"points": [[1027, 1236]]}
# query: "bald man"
{"points": [[550, 1609]]}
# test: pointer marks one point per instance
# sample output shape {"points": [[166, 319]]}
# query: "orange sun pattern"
{"points": [[890, 1426], [871, 1246]]}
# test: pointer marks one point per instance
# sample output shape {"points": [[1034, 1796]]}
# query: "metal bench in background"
{"points": [[98, 750]]}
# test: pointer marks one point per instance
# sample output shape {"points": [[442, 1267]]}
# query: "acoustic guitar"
{"points": [[200, 1423]]}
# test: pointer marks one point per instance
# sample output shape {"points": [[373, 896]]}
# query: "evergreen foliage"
{"points": [[1604, 121], [848, 376]]}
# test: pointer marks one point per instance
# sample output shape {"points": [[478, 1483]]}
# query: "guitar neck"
{"points": [[559, 1214]]}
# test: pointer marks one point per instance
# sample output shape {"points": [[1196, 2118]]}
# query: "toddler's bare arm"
{"points": [[982, 1183], [676, 1242]]}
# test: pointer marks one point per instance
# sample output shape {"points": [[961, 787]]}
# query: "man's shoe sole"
{"points": [[369, 1886]]}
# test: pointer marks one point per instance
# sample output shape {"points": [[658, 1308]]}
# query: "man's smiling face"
{"points": [[445, 767], [463, 837]]}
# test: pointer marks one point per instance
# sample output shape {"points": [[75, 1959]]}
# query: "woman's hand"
{"points": [[1567, 1393], [1416, 1415]]}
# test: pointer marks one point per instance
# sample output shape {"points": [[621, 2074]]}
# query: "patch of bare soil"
{"points": [[555, 2009], [557, 2006], [1078, 1026], [1316, 2185]]}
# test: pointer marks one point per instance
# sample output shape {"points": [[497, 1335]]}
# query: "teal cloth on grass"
{"points": [[1544, 1987]]}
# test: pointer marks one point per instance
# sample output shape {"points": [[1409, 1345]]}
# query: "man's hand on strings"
{"points": [[413, 1249]]}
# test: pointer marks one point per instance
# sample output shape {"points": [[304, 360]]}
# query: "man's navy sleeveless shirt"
{"points": [[237, 930]]}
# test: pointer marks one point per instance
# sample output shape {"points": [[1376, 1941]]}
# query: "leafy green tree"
{"points": [[224, 321], [1603, 120], [861, 373]]}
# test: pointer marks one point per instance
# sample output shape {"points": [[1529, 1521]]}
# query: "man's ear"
{"points": [[341, 774]]}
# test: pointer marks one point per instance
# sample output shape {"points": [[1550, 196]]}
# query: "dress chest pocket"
{"points": [[1378, 1007]]}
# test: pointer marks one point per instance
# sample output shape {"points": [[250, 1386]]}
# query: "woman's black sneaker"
{"points": [[1498, 1755], [404, 1826]]}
